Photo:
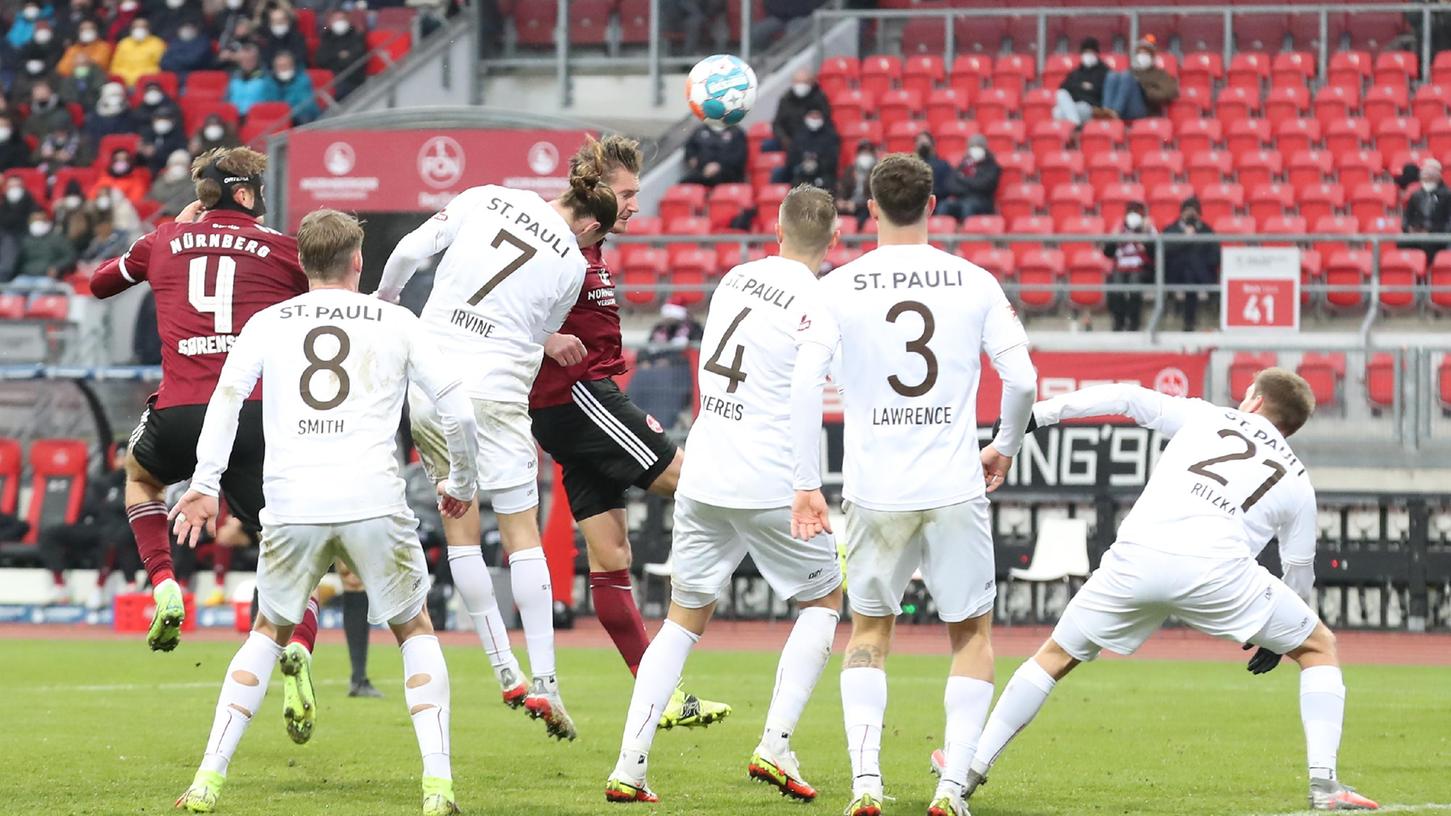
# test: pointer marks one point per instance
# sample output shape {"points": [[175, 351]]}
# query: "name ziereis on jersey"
{"points": [[921, 279], [529, 226]]}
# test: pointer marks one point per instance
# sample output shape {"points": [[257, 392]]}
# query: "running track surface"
{"points": [[1363, 647]]}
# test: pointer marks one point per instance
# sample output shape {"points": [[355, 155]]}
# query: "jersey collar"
{"points": [[228, 216]]}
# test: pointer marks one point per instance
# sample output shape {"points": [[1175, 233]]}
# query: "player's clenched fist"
{"points": [[565, 349], [995, 467]]}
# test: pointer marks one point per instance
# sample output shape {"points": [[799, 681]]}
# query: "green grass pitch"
{"points": [[105, 727]]}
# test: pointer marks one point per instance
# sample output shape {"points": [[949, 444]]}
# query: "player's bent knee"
{"points": [[1319, 647], [136, 472], [1054, 659]]}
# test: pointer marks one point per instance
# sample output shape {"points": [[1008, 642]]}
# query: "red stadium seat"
{"points": [[1372, 199], [534, 24], [952, 138], [981, 227], [641, 272], [1108, 168], [195, 111], [940, 227], [923, 73], [726, 201], [270, 113], [1038, 106], [851, 105], [945, 105], [689, 269], [1248, 70], [1292, 69], [1020, 200], [1349, 267], [1380, 380], [48, 307], [1247, 136], [1396, 68], [1357, 166], [1312, 273], [898, 106], [970, 73], [58, 483], [767, 163], [880, 73], [768, 201], [997, 261], [1060, 167], [1101, 136], [1193, 103], [1165, 201], [1068, 200], [1333, 225], [1089, 268], [1013, 72], [1050, 137], [121, 141], [1282, 225], [1309, 167], [389, 47], [166, 79], [1438, 138], [1079, 224], [1295, 135], [1056, 68], [589, 21], [1201, 32], [1386, 101], [1439, 288], [1336, 102], [924, 37], [1344, 135], [996, 105], [1115, 199], [1323, 372], [1259, 32], [1149, 134], [1401, 272], [1039, 273], [9, 476], [1017, 167], [1005, 136], [1234, 104], [1285, 103], [1245, 367], [682, 200], [1029, 225], [635, 23], [1201, 69], [1234, 225], [1319, 200], [12, 306], [1349, 69], [1258, 167], [980, 33], [1220, 200], [1374, 31], [1209, 167], [206, 84], [1441, 69], [1431, 103], [1271, 199], [838, 74], [1160, 167], [1199, 135]]}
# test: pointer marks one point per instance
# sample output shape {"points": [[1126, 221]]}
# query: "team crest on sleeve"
{"points": [[440, 216], [654, 424], [805, 323]]}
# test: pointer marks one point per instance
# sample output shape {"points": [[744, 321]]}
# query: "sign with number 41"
{"points": [[1260, 288]]}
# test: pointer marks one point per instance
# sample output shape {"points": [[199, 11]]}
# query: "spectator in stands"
{"points": [[1428, 209], [676, 327], [974, 187], [69, 20], [1082, 90], [1145, 90], [215, 132], [177, 14], [815, 152], [15, 211], [119, 23], [804, 95], [72, 217], [45, 254], [784, 18], [173, 188], [61, 147], [113, 225], [854, 190], [89, 44], [282, 36], [83, 86], [341, 46], [160, 138], [122, 175], [186, 51], [715, 156], [13, 151], [1194, 264], [43, 46], [153, 99], [137, 55], [1132, 264], [35, 67], [926, 148], [100, 537], [295, 88], [235, 38], [22, 28], [249, 84], [110, 116], [46, 111]]}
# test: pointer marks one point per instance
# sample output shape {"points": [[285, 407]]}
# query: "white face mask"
{"points": [[39, 228], [162, 126], [35, 66], [42, 37], [1142, 60], [103, 203], [175, 4], [340, 27], [120, 168], [815, 124], [176, 172], [213, 133], [280, 30], [186, 34], [977, 153], [152, 97], [109, 107], [1133, 220], [286, 76], [5, 134], [71, 202], [865, 161], [139, 34], [234, 4], [14, 194], [88, 35], [1428, 185], [129, 6], [31, 13], [801, 88], [1089, 59]]}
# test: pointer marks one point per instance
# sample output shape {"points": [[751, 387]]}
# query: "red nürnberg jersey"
{"points": [[209, 278], [595, 320]]}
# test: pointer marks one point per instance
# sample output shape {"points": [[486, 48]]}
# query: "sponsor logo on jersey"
{"points": [[654, 424], [805, 324]]}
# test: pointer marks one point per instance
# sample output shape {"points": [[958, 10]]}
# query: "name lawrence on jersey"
{"points": [[913, 415]]}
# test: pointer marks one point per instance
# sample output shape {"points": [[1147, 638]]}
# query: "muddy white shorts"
{"points": [[508, 456], [952, 546]]}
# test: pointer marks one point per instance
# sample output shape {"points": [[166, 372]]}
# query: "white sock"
{"points": [[967, 701], [863, 706], [1024, 694], [425, 690], [802, 660], [534, 595], [658, 675], [471, 579], [242, 691], [1322, 710]]}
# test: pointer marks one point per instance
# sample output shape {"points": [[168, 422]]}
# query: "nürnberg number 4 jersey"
{"points": [[337, 365], [511, 273], [739, 453], [912, 322]]}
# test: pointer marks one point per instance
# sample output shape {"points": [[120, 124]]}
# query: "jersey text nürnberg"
{"points": [[218, 240]]}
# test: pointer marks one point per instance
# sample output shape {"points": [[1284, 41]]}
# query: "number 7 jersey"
{"points": [[209, 277]]}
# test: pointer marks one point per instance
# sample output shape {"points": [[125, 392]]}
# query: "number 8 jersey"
{"points": [[209, 277]]}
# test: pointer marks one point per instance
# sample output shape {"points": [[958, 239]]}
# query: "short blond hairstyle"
{"points": [[808, 218], [326, 242], [234, 161], [1289, 402]]}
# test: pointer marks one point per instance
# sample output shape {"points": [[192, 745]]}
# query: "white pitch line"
{"points": [[143, 686], [1422, 808]]}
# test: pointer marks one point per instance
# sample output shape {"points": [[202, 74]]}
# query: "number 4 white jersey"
{"points": [[511, 272], [738, 454], [337, 366], [912, 322]]}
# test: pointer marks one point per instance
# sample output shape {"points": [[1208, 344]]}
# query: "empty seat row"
{"points": [[58, 469]]}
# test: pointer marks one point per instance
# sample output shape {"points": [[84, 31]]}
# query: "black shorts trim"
{"points": [[165, 440], [604, 443]]}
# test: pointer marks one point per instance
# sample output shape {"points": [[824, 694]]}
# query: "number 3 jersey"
{"points": [[209, 277], [511, 271], [738, 454], [337, 365]]}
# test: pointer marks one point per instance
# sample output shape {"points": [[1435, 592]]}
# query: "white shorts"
{"points": [[710, 542], [383, 551], [508, 456], [952, 546], [1136, 588]]}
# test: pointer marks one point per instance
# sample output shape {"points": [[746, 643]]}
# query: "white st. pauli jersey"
{"points": [[1225, 485], [510, 273], [337, 365], [739, 450], [909, 323]]}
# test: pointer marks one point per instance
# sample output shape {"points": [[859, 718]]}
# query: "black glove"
{"points": [[1263, 660], [1032, 425]]}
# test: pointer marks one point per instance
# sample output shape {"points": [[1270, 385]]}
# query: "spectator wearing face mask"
{"points": [[803, 95], [110, 115], [1133, 263], [295, 88], [68, 19], [15, 210], [215, 132], [715, 156], [1082, 90], [62, 147], [341, 46], [44, 252], [161, 137], [187, 50], [113, 219], [153, 98], [22, 28], [974, 187], [175, 14], [250, 84], [1195, 264], [71, 216], [281, 37], [46, 111], [122, 175], [926, 150], [13, 151], [814, 153], [119, 21], [855, 188], [173, 188], [43, 46], [36, 64], [241, 34], [137, 55], [88, 45], [83, 86], [1428, 209], [1145, 90]]}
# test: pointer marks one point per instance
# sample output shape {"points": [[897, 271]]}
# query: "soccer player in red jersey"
{"points": [[603, 442]]}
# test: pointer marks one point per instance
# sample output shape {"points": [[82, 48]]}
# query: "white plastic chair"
{"points": [[1060, 554], [657, 573]]}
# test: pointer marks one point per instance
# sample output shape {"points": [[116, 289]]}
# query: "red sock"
{"points": [[306, 632], [617, 612], [221, 562], [59, 576], [148, 524]]}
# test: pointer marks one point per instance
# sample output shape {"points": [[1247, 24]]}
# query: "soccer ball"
{"points": [[721, 90]]}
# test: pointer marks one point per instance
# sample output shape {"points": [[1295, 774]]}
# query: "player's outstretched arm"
{"points": [[430, 238], [809, 511], [1146, 407], [119, 274], [456, 417]]}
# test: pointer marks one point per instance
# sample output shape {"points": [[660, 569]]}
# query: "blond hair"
{"points": [[326, 243], [1288, 400], [808, 218], [234, 161]]}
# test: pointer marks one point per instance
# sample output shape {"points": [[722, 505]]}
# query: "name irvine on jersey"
{"points": [[469, 321], [770, 295], [919, 415], [526, 222], [218, 240], [728, 409], [933, 279]]}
